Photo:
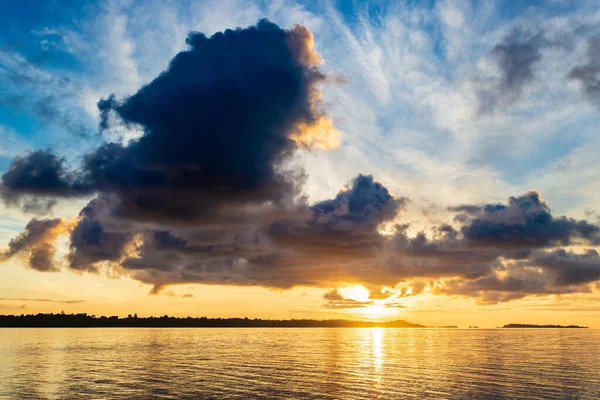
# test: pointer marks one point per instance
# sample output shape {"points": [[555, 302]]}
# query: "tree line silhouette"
{"points": [[84, 320]]}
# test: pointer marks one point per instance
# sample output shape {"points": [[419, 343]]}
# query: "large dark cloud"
{"points": [[218, 125]]}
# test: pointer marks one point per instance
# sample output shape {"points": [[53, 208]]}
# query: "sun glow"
{"points": [[378, 310], [355, 292]]}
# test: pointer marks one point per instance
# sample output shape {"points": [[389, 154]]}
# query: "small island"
{"points": [[542, 326], [91, 321]]}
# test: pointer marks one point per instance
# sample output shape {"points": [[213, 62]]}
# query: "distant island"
{"points": [[91, 321], [542, 326]]}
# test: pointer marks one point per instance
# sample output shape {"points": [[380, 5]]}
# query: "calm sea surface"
{"points": [[299, 363]]}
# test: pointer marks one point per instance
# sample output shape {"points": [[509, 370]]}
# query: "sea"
{"points": [[299, 363]]}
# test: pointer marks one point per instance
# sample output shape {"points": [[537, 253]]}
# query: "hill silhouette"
{"points": [[91, 321]]}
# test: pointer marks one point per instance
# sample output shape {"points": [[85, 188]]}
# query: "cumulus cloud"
{"points": [[522, 240], [218, 126], [525, 222], [348, 223], [494, 252]]}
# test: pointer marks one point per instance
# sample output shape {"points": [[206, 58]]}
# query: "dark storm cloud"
{"points": [[419, 256], [588, 75], [217, 125], [36, 243]]}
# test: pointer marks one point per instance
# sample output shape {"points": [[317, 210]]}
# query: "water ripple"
{"points": [[299, 363]]}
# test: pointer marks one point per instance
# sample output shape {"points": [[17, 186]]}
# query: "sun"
{"points": [[355, 292], [371, 308]]}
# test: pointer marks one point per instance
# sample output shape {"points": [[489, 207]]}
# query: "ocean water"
{"points": [[334, 363]]}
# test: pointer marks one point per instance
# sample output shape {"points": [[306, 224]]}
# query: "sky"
{"points": [[433, 161]]}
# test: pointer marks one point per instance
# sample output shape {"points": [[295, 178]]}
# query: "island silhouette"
{"points": [[542, 326], [84, 320]]}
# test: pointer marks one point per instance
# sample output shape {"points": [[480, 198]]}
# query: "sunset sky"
{"points": [[434, 161]]}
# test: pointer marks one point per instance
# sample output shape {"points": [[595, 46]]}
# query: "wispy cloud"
{"points": [[41, 300]]}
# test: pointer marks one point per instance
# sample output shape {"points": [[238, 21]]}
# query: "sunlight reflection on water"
{"points": [[299, 363]]}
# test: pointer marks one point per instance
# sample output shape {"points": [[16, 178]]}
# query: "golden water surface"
{"points": [[340, 363]]}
